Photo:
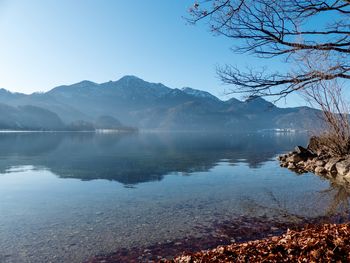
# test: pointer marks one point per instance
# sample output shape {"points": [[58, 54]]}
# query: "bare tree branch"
{"points": [[288, 29]]}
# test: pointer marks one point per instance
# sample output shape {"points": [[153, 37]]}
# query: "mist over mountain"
{"points": [[133, 102]]}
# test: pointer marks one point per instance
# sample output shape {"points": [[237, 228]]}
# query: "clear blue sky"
{"points": [[46, 43]]}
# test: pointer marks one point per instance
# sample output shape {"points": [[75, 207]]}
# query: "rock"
{"points": [[343, 167], [291, 166], [310, 162], [309, 168], [282, 157], [304, 153], [320, 170], [284, 164], [301, 150], [330, 165], [320, 163], [294, 158], [314, 159], [301, 164]]}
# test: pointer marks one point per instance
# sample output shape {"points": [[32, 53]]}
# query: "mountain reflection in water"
{"points": [[136, 158]]}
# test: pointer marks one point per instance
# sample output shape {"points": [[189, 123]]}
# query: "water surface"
{"points": [[66, 197]]}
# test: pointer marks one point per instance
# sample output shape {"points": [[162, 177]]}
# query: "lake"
{"points": [[77, 197]]}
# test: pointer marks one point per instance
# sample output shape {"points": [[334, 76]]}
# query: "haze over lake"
{"points": [[174, 131], [71, 196]]}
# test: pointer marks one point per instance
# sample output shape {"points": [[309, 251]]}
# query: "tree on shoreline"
{"points": [[295, 30]]}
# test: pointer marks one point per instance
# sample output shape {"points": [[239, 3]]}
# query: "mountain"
{"points": [[28, 118], [199, 94], [134, 102]]}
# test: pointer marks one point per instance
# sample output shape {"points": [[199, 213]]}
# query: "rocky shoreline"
{"points": [[316, 160]]}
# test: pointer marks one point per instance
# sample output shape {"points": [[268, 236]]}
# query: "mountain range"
{"points": [[133, 102]]}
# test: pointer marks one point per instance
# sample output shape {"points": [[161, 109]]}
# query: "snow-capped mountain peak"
{"points": [[198, 93]]}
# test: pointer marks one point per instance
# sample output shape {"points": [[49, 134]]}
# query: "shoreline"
{"points": [[304, 160], [237, 232], [318, 243], [100, 131], [270, 241]]}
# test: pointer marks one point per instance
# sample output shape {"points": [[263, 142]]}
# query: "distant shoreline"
{"points": [[134, 130], [68, 131]]}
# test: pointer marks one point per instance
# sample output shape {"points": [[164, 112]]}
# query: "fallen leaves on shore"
{"points": [[320, 243]]}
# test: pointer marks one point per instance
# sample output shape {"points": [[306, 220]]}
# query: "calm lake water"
{"points": [[65, 197]]}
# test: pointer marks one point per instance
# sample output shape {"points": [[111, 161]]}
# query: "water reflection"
{"points": [[339, 195], [211, 185], [135, 158]]}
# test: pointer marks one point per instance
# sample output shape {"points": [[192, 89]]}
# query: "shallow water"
{"points": [[67, 197]]}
